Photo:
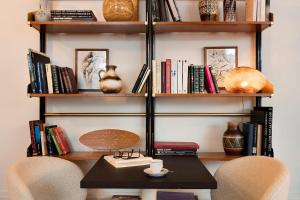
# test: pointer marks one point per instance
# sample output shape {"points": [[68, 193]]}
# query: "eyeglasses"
{"points": [[127, 154]]}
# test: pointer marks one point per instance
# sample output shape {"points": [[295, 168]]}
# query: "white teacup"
{"points": [[156, 166]]}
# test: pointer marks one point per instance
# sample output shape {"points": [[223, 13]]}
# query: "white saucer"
{"points": [[159, 174]]}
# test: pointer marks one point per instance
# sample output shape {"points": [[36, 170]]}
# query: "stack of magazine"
{"points": [[72, 15]]}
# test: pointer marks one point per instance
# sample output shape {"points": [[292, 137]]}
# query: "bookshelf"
{"points": [[150, 29]]}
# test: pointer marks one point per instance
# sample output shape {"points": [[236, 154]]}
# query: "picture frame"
{"points": [[89, 65], [221, 59]]}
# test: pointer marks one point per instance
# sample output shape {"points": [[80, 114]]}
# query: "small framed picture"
{"points": [[89, 67], [222, 60]]}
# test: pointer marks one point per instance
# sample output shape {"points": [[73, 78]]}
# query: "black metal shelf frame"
{"points": [[150, 55]]}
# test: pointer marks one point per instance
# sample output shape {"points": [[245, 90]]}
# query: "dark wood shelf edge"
{"points": [[95, 155], [90, 94]]}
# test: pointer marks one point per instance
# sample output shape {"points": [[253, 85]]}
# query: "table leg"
{"points": [[149, 194]]}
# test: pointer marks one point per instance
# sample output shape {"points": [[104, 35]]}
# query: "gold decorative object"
{"points": [[118, 10], [135, 10], [244, 80]]}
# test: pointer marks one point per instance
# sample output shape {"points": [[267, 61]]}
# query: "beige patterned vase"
{"points": [[118, 10], [208, 10], [110, 82], [233, 140]]}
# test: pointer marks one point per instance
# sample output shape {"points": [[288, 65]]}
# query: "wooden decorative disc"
{"points": [[109, 139]]}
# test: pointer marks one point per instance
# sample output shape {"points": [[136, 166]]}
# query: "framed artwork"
{"points": [[222, 60], [89, 67]]}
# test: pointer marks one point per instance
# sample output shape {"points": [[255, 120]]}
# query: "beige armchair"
{"points": [[45, 178], [252, 178]]}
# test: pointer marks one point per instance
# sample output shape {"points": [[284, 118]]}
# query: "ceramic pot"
{"points": [[233, 140], [229, 10], [42, 15], [208, 10], [110, 82], [118, 10]]}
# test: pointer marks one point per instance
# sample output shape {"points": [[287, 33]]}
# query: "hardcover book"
{"points": [[209, 81], [61, 140], [163, 77], [55, 79], [49, 78], [72, 80], [185, 76], [168, 76], [201, 80], [32, 125], [174, 76], [154, 77], [158, 77], [249, 130], [59, 152], [139, 79], [179, 76], [176, 145]]}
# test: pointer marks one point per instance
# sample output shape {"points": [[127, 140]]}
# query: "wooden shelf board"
{"points": [[221, 94], [198, 26], [89, 94], [129, 27], [95, 155]]}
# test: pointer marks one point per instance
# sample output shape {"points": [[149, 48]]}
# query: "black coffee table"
{"points": [[187, 172]]}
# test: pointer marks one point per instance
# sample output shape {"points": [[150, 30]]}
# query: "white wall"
{"points": [[280, 48]]}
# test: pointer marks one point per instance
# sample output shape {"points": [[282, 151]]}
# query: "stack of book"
{"points": [[176, 148], [181, 78], [72, 15], [132, 162], [48, 79], [162, 195], [47, 140], [258, 132], [257, 10], [163, 10], [141, 80]]}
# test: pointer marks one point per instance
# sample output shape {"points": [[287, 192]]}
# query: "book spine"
{"points": [[209, 80], [168, 75], [53, 135], [179, 76], [43, 140], [268, 10], [39, 78], [270, 123], [192, 79], [189, 79], [37, 134], [263, 10], [72, 79], [201, 80], [214, 81], [65, 80], [61, 81], [177, 11], [32, 137], [68, 80], [248, 131], [170, 10], [254, 147], [31, 74], [163, 77], [259, 138], [154, 78], [158, 77], [264, 150], [60, 141], [155, 11], [196, 79], [185, 77], [255, 10], [139, 79], [49, 141], [49, 78], [174, 78], [163, 10], [44, 78], [55, 79]]}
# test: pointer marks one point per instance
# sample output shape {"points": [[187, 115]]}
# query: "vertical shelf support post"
{"points": [[42, 49], [258, 61]]}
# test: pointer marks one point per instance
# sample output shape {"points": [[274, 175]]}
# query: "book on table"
{"points": [[120, 162]]}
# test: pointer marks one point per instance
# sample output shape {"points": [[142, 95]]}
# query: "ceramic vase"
{"points": [[229, 7], [208, 10], [110, 82], [233, 140], [118, 10]]}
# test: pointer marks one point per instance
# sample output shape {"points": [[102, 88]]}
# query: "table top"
{"points": [[187, 172]]}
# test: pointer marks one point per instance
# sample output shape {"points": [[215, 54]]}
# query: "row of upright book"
{"points": [[48, 79], [258, 132], [47, 140], [165, 10], [178, 77], [257, 10]]}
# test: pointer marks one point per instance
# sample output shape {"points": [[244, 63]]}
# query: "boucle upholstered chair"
{"points": [[252, 178], [45, 178]]}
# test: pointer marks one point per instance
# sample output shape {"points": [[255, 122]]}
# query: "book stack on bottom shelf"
{"points": [[258, 132], [47, 140], [176, 148]]}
